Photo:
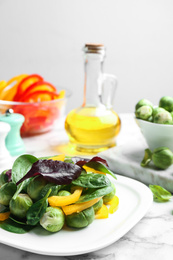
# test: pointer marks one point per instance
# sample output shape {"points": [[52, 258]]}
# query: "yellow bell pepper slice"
{"points": [[88, 169], [4, 215], [9, 92], [103, 212], [78, 207], [56, 201], [114, 203], [60, 157], [3, 85], [61, 94]]}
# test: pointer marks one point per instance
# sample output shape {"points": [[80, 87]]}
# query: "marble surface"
{"points": [[126, 157], [150, 238]]}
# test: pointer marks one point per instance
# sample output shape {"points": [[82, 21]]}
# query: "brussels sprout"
{"points": [[7, 191], [163, 117], [144, 112], [110, 195], [98, 205], [63, 193], [35, 186], [162, 157], [20, 205], [166, 102], [53, 219], [143, 102], [3, 178], [81, 219], [157, 110]]}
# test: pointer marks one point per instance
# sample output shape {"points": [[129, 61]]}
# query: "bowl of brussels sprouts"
{"points": [[156, 122]]}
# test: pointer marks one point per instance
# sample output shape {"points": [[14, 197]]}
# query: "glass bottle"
{"points": [[93, 127]]}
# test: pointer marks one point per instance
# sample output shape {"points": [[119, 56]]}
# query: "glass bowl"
{"points": [[156, 135], [39, 116]]}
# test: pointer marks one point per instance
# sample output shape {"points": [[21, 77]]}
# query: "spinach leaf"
{"points": [[17, 221], [3, 208], [21, 166], [100, 167], [37, 210], [19, 189], [54, 190], [160, 194], [95, 194], [14, 227], [92, 180]]}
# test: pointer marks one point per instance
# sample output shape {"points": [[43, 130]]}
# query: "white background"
{"points": [[47, 36]]}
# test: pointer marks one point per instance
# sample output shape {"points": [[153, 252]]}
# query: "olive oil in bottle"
{"points": [[93, 127]]}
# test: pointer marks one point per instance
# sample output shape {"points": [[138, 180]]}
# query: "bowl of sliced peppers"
{"points": [[39, 101]]}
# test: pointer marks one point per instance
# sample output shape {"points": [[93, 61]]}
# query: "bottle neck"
{"points": [[93, 77]]}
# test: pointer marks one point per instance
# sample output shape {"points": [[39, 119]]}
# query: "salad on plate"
{"points": [[55, 192]]}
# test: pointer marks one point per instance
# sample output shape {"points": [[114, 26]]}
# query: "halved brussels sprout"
{"points": [[144, 112], [20, 205], [163, 117], [157, 110], [81, 219], [53, 219], [7, 191]]}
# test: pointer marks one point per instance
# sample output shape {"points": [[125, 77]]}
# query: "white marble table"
{"points": [[151, 238]]}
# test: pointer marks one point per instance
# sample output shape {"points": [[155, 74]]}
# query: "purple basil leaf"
{"points": [[79, 160], [82, 161], [54, 171]]}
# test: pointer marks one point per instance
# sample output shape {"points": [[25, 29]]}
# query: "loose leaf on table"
{"points": [[160, 194], [96, 193], [37, 210], [92, 180], [147, 158], [54, 171], [21, 166]]}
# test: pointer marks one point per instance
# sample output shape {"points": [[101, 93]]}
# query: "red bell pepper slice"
{"points": [[37, 86], [25, 83], [40, 95]]}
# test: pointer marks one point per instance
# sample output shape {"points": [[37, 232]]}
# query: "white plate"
{"points": [[134, 201]]}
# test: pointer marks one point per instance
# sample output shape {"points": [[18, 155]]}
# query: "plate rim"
{"points": [[141, 187]]}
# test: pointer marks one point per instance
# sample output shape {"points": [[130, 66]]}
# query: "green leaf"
{"points": [[14, 227], [3, 208], [54, 190], [92, 180], [100, 167], [21, 166], [95, 193], [160, 194], [19, 189], [37, 210], [147, 158]]}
